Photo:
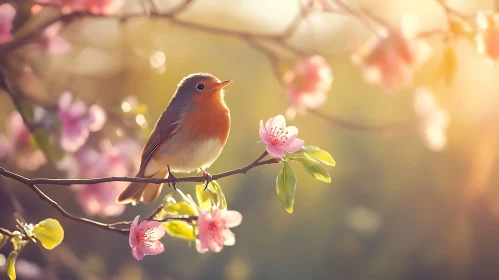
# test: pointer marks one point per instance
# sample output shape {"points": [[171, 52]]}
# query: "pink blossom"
{"points": [[307, 84], [434, 120], [51, 42], [77, 122], [19, 145], [112, 160], [93, 6], [278, 138], [7, 15], [214, 230], [144, 238], [488, 36], [392, 57]]}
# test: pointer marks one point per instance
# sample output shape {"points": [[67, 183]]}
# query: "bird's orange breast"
{"points": [[211, 120]]}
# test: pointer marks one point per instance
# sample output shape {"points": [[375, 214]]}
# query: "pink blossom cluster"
{"points": [[111, 160], [392, 57], [7, 15], [92, 6], [307, 84]]}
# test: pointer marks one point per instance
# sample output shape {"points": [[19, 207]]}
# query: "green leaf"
{"points": [[42, 140], [315, 169], [180, 208], [319, 155], [221, 202], [11, 265], [3, 240], [204, 197], [286, 186], [180, 229], [49, 232]]}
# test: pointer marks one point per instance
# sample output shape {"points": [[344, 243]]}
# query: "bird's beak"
{"points": [[223, 84]]}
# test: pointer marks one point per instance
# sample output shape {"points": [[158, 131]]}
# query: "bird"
{"points": [[188, 136]]}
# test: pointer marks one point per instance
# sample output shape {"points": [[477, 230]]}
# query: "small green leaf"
{"points": [[41, 139], [180, 208], [315, 169], [180, 229], [3, 240], [317, 154], [204, 197], [49, 232], [11, 265], [286, 186], [221, 202]]}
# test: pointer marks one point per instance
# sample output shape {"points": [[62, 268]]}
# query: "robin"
{"points": [[189, 136]]}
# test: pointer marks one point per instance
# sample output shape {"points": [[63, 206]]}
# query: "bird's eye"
{"points": [[200, 86]]}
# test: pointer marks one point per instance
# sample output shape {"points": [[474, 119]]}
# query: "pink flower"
{"points": [[434, 120], [488, 36], [144, 238], [307, 84], [7, 15], [77, 122], [392, 57], [19, 144], [117, 160], [214, 230], [279, 138], [51, 42], [93, 6]]}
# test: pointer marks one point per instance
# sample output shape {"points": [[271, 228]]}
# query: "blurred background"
{"points": [[394, 209]]}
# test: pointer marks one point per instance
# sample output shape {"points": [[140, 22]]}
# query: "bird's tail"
{"points": [[138, 191]]}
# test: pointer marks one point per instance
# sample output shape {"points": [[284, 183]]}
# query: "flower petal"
{"points": [[229, 238], [294, 146], [137, 253], [291, 131], [153, 247], [264, 134], [97, 117], [65, 100], [201, 247], [275, 152], [232, 218], [154, 229], [133, 227], [277, 122], [215, 245]]}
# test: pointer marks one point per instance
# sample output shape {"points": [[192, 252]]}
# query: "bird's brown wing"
{"points": [[166, 126]]}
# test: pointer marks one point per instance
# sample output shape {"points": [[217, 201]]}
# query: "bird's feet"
{"points": [[207, 177], [172, 180]]}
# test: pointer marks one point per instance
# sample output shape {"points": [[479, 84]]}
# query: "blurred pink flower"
{"points": [[488, 36], [278, 138], [392, 57], [93, 6], [434, 120], [77, 122], [214, 229], [19, 145], [144, 238], [51, 42], [7, 15], [307, 84], [117, 160]]}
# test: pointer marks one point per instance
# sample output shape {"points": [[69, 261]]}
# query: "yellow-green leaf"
{"points": [[315, 169], [319, 155], [11, 265], [286, 186], [204, 197], [49, 232], [180, 229], [3, 240], [180, 208], [221, 202]]}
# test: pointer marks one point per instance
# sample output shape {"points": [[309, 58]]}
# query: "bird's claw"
{"points": [[208, 178], [172, 180]]}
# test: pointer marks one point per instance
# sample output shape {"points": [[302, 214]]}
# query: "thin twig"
{"points": [[7, 233], [93, 181]]}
